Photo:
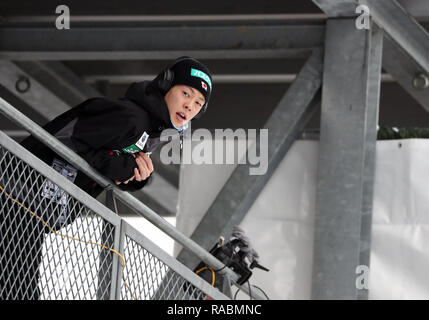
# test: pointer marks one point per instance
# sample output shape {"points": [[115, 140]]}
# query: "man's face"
{"points": [[183, 104]]}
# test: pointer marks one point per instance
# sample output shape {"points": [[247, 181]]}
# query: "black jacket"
{"points": [[101, 131], [104, 132]]}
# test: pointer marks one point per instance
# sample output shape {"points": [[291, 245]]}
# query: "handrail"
{"points": [[108, 215], [138, 207]]}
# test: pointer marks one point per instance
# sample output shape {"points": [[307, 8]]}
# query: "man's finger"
{"points": [[130, 179], [143, 169], [137, 174], [147, 160]]}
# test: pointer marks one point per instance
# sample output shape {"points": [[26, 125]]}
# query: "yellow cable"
{"points": [[72, 238], [213, 276], [213, 273]]}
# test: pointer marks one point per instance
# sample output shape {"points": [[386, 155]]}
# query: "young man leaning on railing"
{"points": [[116, 137]]}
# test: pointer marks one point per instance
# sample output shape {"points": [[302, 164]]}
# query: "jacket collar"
{"points": [[147, 95]]}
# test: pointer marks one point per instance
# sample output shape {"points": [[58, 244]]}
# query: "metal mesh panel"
{"points": [[146, 277], [51, 245]]}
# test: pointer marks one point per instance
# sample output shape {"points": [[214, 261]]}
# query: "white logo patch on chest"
{"points": [[138, 146], [142, 141]]}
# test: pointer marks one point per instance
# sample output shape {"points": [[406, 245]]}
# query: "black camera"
{"points": [[237, 254]]}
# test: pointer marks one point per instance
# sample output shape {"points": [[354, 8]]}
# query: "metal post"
{"points": [[106, 257], [372, 101], [119, 273], [350, 97], [116, 264]]}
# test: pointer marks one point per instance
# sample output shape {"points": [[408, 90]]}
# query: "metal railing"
{"points": [[59, 243], [106, 233]]}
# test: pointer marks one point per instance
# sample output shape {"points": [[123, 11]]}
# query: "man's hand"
{"points": [[125, 182], [145, 168]]}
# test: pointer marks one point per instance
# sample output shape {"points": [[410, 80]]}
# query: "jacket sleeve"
{"points": [[101, 125], [135, 185], [116, 167]]}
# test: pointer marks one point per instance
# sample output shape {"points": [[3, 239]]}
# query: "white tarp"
{"points": [[400, 231], [281, 221]]}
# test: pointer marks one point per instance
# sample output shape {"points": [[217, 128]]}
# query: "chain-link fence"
{"points": [[147, 277], [56, 242]]}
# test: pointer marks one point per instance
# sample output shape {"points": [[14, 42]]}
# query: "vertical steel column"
{"points": [[350, 96], [119, 270], [117, 264], [372, 101], [106, 260]]}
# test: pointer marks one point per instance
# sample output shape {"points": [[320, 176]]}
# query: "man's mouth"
{"points": [[180, 116]]}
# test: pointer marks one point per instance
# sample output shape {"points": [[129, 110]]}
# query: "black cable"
{"points": [[235, 295], [261, 291], [238, 289], [250, 291], [220, 269]]}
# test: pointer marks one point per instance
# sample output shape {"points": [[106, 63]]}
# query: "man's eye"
{"points": [[185, 93]]}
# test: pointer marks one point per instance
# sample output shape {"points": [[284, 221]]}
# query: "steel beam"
{"points": [[346, 8], [405, 70], [52, 90], [412, 40], [240, 191], [168, 18], [350, 100], [417, 8], [337, 8], [373, 76], [95, 43], [29, 90], [217, 78], [55, 76], [402, 28]]}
